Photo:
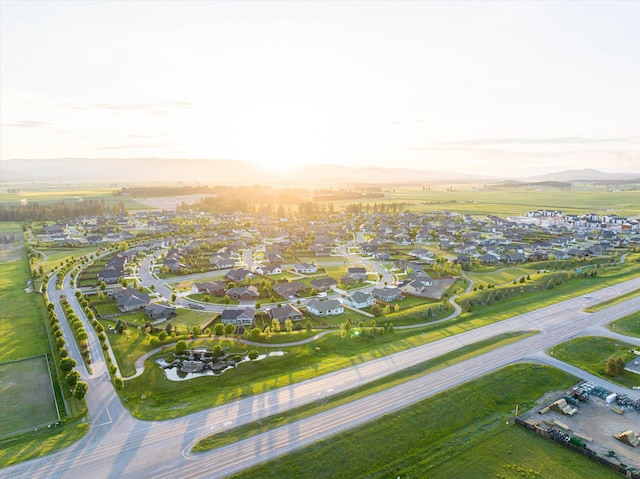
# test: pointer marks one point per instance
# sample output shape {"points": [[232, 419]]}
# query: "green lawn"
{"points": [[591, 354], [22, 326], [501, 276], [629, 325], [434, 437]]}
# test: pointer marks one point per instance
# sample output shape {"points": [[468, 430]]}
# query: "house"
{"points": [[160, 311], [270, 269], [421, 254], [489, 259], [386, 294], [417, 286], [239, 317], [243, 293], [289, 290], [130, 299], [239, 274], [356, 273], [305, 268], [282, 313], [222, 262], [325, 307], [514, 258], [110, 274], [359, 300], [216, 288], [323, 284]]}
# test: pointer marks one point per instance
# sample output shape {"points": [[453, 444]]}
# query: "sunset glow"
{"points": [[500, 88]]}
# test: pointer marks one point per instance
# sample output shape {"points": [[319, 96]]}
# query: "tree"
{"points": [[173, 298], [267, 333], [168, 328], [162, 335], [218, 329], [181, 347], [103, 285], [80, 391], [229, 329], [72, 378], [610, 368], [308, 326], [206, 298], [255, 333], [373, 323], [67, 364], [196, 330], [253, 355], [118, 383], [288, 325], [620, 365], [275, 325]]}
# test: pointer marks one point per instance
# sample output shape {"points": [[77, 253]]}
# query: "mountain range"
{"points": [[236, 172]]}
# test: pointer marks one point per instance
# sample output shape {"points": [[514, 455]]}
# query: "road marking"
{"points": [[110, 419]]}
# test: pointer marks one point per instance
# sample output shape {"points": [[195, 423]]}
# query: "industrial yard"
{"points": [[590, 417]]}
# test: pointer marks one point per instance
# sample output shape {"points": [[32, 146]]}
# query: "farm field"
{"points": [[510, 201], [450, 436], [45, 194]]}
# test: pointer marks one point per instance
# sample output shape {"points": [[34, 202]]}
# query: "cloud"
{"points": [[152, 108], [498, 143], [28, 124], [135, 146]]}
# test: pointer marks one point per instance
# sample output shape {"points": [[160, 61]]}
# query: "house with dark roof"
{"points": [[284, 312], [160, 311], [323, 284], [239, 274], [386, 294], [239, 317], [243, 293], [288, 290]]}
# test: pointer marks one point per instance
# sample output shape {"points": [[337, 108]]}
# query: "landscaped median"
{"points": [[462, 354]]}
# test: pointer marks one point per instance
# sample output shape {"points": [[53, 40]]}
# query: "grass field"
{"points": [[501, 276], [591, 354], [45, 194], [21, 325], [629, 325], [510, 201], [466, 432], [28, 400]]}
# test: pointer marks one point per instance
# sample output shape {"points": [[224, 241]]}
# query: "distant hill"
{"points": [[211, 172], [587, 174]]}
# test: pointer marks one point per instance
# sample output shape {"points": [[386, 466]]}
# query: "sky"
{"points": [[506, 88]]}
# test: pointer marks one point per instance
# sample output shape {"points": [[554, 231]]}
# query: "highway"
{"points": [[118, 445]]}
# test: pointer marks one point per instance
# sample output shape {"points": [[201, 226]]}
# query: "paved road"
{"points": [[120, 446]]}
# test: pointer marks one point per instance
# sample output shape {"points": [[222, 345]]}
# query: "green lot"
{"points": [[629, 325], [465, 432], [591, 354], [27, 396]]}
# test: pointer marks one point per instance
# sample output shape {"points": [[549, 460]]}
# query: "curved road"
{"points": [[118, 445]]}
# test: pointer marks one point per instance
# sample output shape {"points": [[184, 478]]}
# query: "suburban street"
{"points": [[119, 445]]}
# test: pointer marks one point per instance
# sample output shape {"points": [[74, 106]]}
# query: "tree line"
{"points": [[51, 211]]}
